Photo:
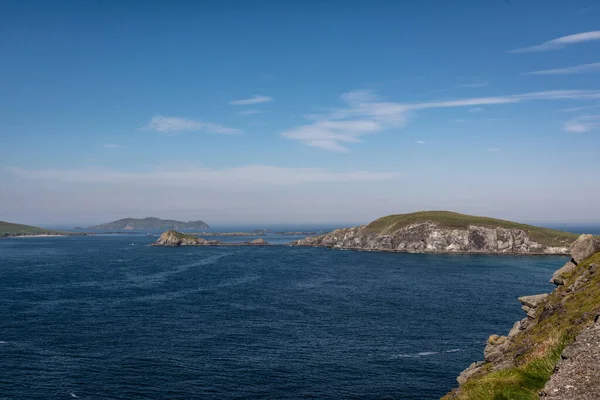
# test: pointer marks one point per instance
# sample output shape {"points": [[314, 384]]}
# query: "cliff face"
{"points": [[430, 236], [554, 352]]}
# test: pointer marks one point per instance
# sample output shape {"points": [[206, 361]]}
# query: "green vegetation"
{"points": [[447, 219], [8, 229], [536, 351], [151, 223]]}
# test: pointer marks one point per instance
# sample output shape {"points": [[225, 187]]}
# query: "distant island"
{"points": [[9, 229], [445, 232], [151, 223]]}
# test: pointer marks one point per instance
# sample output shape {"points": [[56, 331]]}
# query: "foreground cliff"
{"points": [[173, 238], [443, 231], [552, 353]]}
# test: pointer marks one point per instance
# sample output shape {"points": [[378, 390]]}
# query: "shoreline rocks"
{"points": [[429, 237], [173, 238]]}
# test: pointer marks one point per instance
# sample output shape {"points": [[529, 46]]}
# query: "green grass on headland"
{"points": [[447, 219], [8, 229]]}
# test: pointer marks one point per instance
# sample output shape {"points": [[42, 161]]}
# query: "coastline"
{"points": [[380, 250]]}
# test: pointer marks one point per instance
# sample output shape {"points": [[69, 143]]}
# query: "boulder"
{"points": [[584, 247], [494, 350], [533, 301], [515, 329], [472, 370], [561, 275]]}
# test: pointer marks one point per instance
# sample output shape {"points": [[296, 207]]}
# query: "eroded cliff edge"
{"points": [[443, 231], [552, 353]]}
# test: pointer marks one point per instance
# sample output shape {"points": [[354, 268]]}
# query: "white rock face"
{"points": [[584, 247], [429, 237]]}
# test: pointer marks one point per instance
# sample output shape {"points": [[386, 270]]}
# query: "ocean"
{"points": [[108, 317]]}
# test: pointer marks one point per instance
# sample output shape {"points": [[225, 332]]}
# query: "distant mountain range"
{"points": [[150, 224]]}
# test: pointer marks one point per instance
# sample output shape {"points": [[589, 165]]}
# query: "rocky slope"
{"points": [[554, 352], [442, 231], [173, 238]]}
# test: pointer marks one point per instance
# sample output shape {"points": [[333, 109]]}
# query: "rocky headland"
{"points": [[129, 224], [444, 232], [173, 238], [554, 351]]}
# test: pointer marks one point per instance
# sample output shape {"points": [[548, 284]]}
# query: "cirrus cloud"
{"points": [[561, 42], [577, 69], [256, 99], [365, 114], [172, 125], [582, 124]]}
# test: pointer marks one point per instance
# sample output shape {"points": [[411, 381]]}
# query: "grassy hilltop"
{"points": [[8, 229], [151, 223], [448, 219]]}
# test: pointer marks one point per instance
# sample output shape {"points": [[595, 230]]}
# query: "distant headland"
{"points": [[150, 223], [445, 232], [9, 229]]}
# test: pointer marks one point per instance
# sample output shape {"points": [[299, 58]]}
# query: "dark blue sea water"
{"points": [[107, 317]]}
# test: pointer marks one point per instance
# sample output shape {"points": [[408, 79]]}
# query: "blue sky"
{"points": [[299, 111]]}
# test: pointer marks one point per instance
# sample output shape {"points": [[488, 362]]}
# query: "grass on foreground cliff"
{"points": [[518, 383], [449, 219], [565, 315]]}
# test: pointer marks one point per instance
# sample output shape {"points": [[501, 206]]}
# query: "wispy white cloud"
{"points": [[111, 146], [574, 109], [561, 42], [476, 109], [366, 114], [577, 69], [256, 99], [194, 176], [421, 141], [163, 124], [581, 124], [478, 84], [251, 112]]}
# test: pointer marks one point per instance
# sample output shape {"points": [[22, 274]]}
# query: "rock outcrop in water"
{"points": [[173, 238], [444, 232], [554, 352]]}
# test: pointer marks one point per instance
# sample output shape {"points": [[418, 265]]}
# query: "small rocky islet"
{"points": [[173, 238]]}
